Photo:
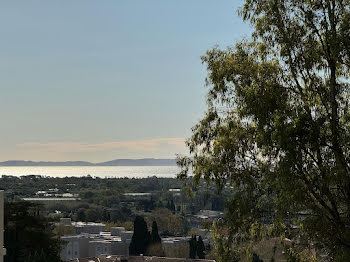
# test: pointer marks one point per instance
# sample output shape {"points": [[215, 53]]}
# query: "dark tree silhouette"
{"points": [[256, 258], [28, 235], [155, 238], [155, 247], [141, 237], [81, 216], [200, 248], [193, 247], [172, 206]]}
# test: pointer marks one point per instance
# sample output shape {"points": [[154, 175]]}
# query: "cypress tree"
{"points": [[193, 247], [200, 248], [155, 247], [141, 237], [155, 238]]}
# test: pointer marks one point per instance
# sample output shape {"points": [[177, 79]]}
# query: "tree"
{"points": [[277, 127], [172, 206], [81, 216], [28, 235], [193, 247], [256, 258], [200, 248], [166, 221], [155, 247], [155, 238], [141, 237]]}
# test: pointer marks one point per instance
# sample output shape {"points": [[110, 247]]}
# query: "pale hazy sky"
{"points": [[98, 80]]}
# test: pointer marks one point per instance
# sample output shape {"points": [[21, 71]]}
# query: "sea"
{"points": [[94, 171]]}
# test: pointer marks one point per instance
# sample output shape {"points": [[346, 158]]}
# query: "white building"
{"points": [[75, 247], [88, 227], [94, 244], [2, 249], [115, 242]]}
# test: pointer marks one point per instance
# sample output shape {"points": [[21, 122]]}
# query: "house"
{"points": [[92, 241]]}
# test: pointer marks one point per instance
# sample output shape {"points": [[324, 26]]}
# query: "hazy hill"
{"points": [[139, 162], [117, 162], [42, 163]]}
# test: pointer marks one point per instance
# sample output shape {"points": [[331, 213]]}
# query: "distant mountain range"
{"points": [[116, 162]]}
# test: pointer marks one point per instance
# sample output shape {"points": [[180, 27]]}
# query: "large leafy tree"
{"points": [[28, 235], [277, 126]]}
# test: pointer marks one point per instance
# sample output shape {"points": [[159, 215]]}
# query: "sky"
{"points": [[100, 80]]}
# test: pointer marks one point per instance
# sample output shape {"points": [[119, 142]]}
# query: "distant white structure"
{"points": [[209, 214], [88, 227], [93, 241], [2, 249], [66, 221]]}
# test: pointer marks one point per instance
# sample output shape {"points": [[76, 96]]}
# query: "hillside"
{"points": [[116, 162]]}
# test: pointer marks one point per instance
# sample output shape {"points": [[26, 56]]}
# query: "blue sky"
{"points": [[99, 80]]}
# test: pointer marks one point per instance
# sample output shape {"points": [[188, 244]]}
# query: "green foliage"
{"points": [[166, 221], [106, 198], [277, 127], [81, 216], [155, 247], [103, 200], [28, 235], [222, 241]]}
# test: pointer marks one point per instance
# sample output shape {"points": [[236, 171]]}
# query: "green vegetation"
{"points": [[29, 236], [143, 242], [117, 201], [277, 129], [155, 247]]}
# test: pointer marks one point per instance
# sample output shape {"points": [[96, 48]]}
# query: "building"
{"points": [[209, 215], [91, 240], [2, 249], [88, 227]]}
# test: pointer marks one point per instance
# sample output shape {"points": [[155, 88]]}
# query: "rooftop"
{"points": [[105, 258]]}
